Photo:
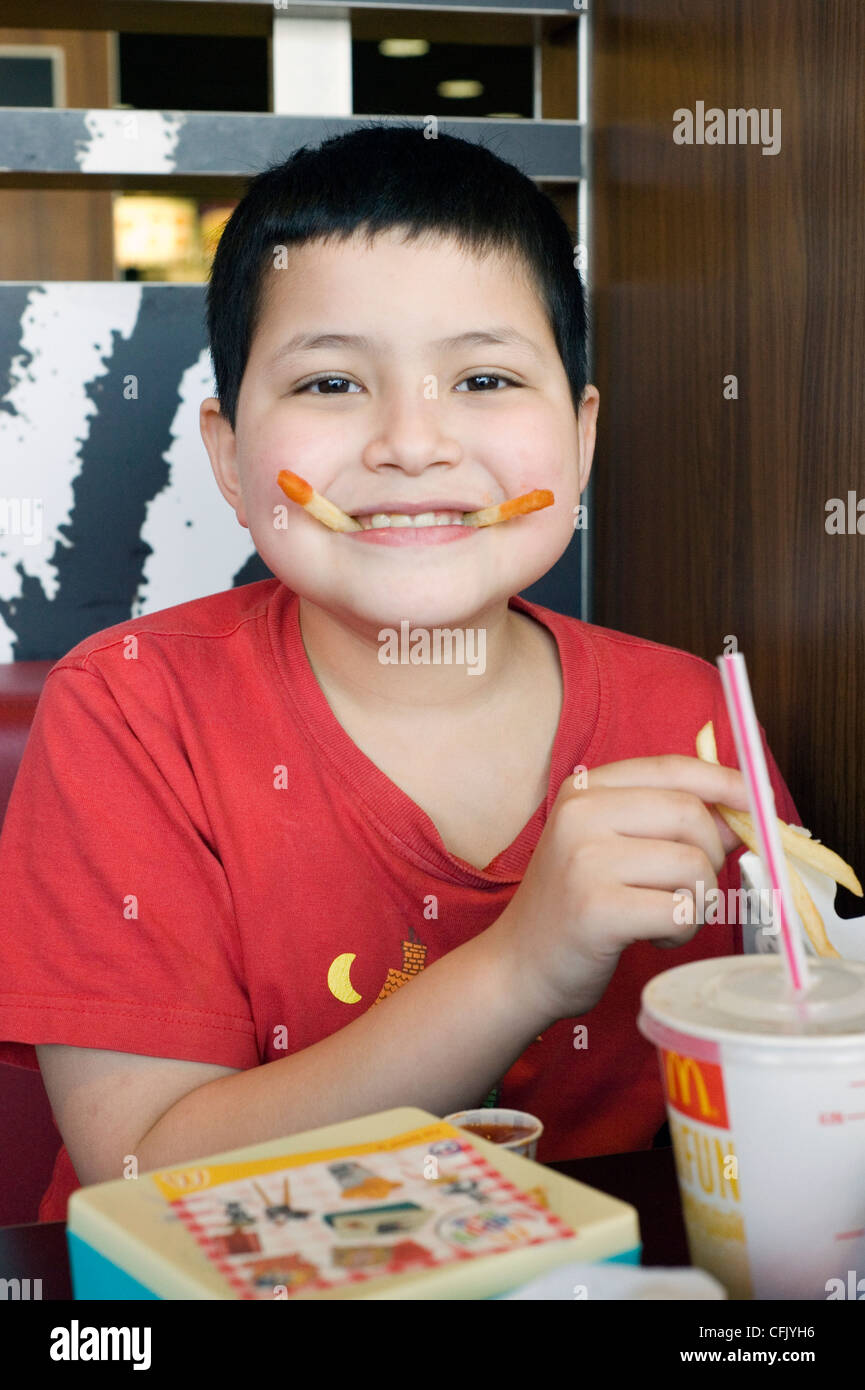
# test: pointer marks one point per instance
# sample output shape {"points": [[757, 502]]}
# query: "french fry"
{"points": [[325, 511], [743, 826], [517, 506], [817, 855], [795, 843], [811, 919], [798, 845], [707, 748]]}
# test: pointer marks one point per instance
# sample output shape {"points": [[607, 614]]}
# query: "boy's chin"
{"points": [[449, 608]]}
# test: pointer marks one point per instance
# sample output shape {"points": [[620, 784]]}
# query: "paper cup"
{"points": [[767, 1117], [528, 1145]]}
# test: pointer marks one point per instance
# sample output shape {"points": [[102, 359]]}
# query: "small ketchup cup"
{"points": [[511, 1129]]}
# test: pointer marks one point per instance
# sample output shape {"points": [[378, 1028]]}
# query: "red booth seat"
{"points": [[29, 1139]]}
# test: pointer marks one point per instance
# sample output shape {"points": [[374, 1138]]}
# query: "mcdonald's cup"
{"points": [[766, 1105]]}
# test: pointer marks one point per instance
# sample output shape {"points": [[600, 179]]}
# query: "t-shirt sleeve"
{"points": [[118, 929]]}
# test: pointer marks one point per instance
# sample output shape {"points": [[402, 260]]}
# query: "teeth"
{"points": [[378, 520]]}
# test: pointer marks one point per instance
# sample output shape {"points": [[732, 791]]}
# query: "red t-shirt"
{"points": [[193, 839]]}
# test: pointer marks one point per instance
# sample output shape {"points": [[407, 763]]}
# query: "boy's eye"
{"points": [[487, 376], [328, 381]]}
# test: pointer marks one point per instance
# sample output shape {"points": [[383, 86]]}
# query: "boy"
{"points": [[238, 834]]}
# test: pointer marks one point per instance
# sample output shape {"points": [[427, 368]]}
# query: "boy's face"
{"points": [[400, 420]]}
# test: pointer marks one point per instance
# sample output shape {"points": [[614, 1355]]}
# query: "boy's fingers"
{"points": [[669, 865], [643, 813], [729, 839], [654, 916], [673, 772]]}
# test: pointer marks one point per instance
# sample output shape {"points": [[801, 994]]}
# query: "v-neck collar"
{"points": [[391, 809]]}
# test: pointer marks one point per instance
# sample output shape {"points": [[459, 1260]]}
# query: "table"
{"points": [[646, 1179]]}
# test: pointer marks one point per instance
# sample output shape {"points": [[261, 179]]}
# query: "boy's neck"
{"points": [[345, 659]]}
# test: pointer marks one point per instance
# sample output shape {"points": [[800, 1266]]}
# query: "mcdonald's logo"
{"points": [[185, 1180], [695, 1089]]}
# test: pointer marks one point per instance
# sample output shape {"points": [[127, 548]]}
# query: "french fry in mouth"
{"points": [[517, 506], [795, 845], [330, 515], [305, 495]]}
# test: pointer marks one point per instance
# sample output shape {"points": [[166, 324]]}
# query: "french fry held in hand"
{"points": [[327, 512], [796, 845]]}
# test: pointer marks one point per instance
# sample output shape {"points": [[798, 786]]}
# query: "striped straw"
{"points": [[749, 746]]}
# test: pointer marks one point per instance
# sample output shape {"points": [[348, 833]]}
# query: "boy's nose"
{"points": [[410, 433]]}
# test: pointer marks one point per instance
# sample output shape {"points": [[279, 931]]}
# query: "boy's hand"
{"points": [[605, 870]]}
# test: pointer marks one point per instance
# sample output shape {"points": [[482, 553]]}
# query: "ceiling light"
{"points": [[154, 230], [403, 48], [459, 88]]}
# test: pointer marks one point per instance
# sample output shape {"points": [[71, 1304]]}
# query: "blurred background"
{"points": [[240, 57]]}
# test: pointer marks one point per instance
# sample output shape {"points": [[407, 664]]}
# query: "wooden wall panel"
{"points": [[144, 16], [53, 233], [707, 260], [559, 70]]}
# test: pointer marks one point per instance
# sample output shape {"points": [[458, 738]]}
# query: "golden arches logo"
{"points": [[185, 1180], [679, 1074]]}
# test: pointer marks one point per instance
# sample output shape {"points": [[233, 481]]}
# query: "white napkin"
{"points": [[847, 936], [618, 1281]]}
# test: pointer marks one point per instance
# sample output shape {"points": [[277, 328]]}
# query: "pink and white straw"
{"points": [[749, 746]]}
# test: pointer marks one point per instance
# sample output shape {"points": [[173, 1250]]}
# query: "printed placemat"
{"points": [[299, 1224]]}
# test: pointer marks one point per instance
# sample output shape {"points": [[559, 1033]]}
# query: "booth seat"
{"points": [[29, 1139]]}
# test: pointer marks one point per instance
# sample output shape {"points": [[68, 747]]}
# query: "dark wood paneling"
{"points": [[141, 16], [559, 70], [716, 259], [444, 26]]}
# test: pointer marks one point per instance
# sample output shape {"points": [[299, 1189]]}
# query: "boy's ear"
{"points": [[221, 445], [587, 421]]}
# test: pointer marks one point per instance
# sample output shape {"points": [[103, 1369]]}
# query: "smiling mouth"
{"points": [[422, 517]]}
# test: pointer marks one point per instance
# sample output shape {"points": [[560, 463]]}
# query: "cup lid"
{"points": [[752, 995]]}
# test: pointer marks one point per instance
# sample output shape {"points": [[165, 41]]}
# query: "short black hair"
{"points": [[374, 178]]}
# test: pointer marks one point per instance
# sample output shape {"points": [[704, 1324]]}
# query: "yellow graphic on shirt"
{"points": [[339, 979], [413, 961], [339, 974]]}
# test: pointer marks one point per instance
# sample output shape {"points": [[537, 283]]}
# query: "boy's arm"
{"points": [[103, 1100], [439, 1043]]}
